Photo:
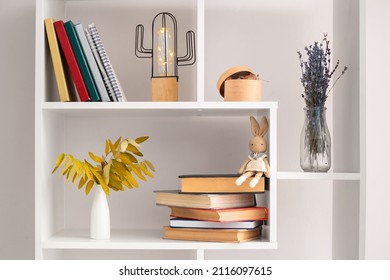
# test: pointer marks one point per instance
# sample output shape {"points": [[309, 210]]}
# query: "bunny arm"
{"points": [[268, 172], [242, 168]]}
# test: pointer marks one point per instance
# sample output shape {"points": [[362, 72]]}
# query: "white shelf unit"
{"points": [[62, 211]]}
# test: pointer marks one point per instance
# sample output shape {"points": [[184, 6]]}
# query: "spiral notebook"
{"points": [[116, 89]]}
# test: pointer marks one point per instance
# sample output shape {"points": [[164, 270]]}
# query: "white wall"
{"points": [[17, 32], [377, 72]]}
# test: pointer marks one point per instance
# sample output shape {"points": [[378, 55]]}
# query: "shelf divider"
{"points": [[200, 254]]}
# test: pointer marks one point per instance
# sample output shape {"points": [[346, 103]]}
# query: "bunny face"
{"points": [[257, 144]]}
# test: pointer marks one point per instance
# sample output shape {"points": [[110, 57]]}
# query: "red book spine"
{"points": [[71, 61]]}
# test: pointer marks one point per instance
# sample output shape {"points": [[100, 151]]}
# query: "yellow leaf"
{"points": [[87, 170], [112, 147], [74, 178], [151, 166], [116, 144], [113, 188], [137, 172], [118, 166], [115, 176], [99, 178], [116, 184], [106, 172], [72, 172], [82, 182], [89, 187], [64, 171], [79, 170], [114, 171], [127, 184], [135, 166], [67, 174], [141, 139], [95, 158], [107, 149], [59, 160], [134, 150], [145, 170], [132, 142], [68, 164], [129, 177], [124, 145], [126, 158]]}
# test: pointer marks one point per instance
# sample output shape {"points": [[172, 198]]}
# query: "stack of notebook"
{"points": [[80, 52]]}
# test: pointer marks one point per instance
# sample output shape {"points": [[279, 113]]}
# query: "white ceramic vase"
{"points": [[100, 215]]}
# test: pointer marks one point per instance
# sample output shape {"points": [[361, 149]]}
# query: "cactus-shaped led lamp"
{"points": [[165, 61]]}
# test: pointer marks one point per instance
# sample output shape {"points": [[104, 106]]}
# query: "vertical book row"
{"points": [[82, 68]]}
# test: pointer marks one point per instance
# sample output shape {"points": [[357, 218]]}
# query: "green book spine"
{"points": [[82, 62]]}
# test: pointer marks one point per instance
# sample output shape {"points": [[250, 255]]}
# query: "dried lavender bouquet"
{"points": [[316, 77], [316, 73]]}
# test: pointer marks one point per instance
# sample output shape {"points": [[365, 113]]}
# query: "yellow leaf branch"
{"points": [[118, 168]]}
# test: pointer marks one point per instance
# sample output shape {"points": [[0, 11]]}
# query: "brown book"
{"points": [[221, 215], [205, 201], [218, 183], [212, 235]]}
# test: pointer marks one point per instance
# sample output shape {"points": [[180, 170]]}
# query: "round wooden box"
{"points": [[234, 88]]}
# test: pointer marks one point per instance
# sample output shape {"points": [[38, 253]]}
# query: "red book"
{"points": [[71, 61]]}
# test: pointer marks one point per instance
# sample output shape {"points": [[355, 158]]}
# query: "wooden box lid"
{"points": [[232, 73]]}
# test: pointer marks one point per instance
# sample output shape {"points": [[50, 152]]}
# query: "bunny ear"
{"points": [[254, 126], [264, 127]]}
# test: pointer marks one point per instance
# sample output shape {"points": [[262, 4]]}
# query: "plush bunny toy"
{"points": [[257, 162]]}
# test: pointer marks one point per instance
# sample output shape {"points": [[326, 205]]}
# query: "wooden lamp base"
{"points": [[165, 89]]}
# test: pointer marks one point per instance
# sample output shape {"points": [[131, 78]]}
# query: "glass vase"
{"points": [[315, 141]]}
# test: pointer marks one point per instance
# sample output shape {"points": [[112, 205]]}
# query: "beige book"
{"points": [[205, 201], [212, 235]]}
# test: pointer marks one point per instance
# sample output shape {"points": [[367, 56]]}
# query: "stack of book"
{"points": [[80, 52], [212, 208]]}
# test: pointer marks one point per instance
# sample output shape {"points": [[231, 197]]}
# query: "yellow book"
{"points": [[57, 62]]}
